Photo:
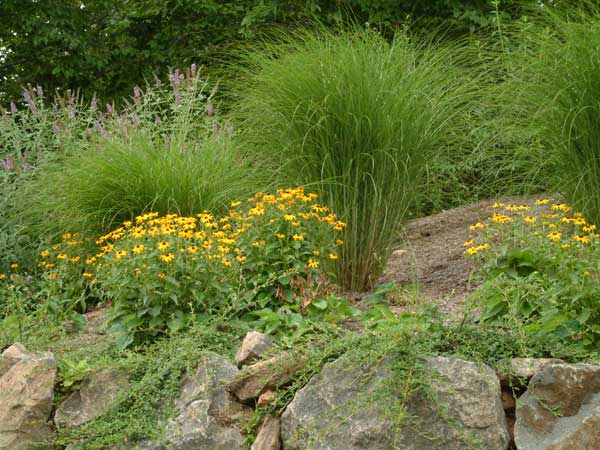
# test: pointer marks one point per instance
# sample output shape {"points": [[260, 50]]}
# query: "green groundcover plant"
{"points": [[357, 119], [540, 267]]}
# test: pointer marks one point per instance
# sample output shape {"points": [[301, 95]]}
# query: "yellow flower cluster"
{"points": [[155, 242], [557, 223]]}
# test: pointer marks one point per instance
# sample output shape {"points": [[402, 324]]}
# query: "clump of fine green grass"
{"points": [[165, 151], [557, 93], [357, 119]]}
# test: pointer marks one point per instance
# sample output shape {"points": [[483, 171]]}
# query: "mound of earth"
{"points": [[432, 253]]}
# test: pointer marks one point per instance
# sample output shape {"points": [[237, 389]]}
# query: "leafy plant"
{"points": [[356, 118], [166, 271], [539, 267]]}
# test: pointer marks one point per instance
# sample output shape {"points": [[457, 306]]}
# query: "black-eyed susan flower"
{"points": [[88, 274], [62, 256], [162, 276], [163, 246], [554, 236], [167, 258], [138, 249], [582, 239], [333, 256], [193, 249], [289, 217], [45, 253], [120, 254], [313, 263], [75, 259], [2, 276], [14, 266], [298, 237]]}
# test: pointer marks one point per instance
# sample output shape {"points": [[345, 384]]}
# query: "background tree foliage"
{"points": [[107, 46]]}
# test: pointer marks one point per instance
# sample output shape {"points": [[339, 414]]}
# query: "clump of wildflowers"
{"points": [[162, 271], [540, 262]]}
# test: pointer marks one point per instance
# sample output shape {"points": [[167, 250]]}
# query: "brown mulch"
{"points": [[432, 255]]}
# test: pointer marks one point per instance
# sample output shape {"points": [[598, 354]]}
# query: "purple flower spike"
{"points": [[40, 91], [13, 108], [194, 70], [26, 167]]}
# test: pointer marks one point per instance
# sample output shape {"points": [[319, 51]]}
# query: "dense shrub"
{"points": [[540, 267], [358, 119]]}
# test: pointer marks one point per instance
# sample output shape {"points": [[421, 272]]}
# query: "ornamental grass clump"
{"points": [[540, 266], [357, 119], [163, 271], [165, 151], [555, 95]]}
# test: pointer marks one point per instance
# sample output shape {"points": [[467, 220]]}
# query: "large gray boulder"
{"points": [[95, 395], [560, 410], [349, 407], [26, 396], [208, 417]]}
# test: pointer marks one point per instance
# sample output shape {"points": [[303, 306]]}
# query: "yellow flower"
{"points": [[163, 246], [468, 243], [297, 223], [67, 236], [45, 253], [298, 237], [241, 258], [589, 228], [75, 259], [333, 256], [162, 276], [565, 246], [289, 217], [53, 276], [258, 243], [14, 266], [313, 264], [138, 249], [542, 201], [582, 239], [120, 254], [498, 205], [2, 276], [339, 242], [554, 236], [279, 235], [62, 256], [530, 219], [226, 262], [501, 218], [88, 274], [561, 207], [316, 252], [192, 249], [167, 258], [235, 204], [477, 226], [90, 260], [586, 273]]}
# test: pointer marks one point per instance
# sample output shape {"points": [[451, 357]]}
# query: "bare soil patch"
{"points": [[432, 255]]}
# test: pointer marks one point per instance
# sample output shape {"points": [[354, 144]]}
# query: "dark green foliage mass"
{"points": [[106, 47]]}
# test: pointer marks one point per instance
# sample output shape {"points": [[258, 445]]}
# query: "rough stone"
{"points": [[268, 437], [345, 407], [208, 416], [26, 396], [517, 370], [253, 346], [560, 409], [97, 392], [265, 375], [266, 398]]}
